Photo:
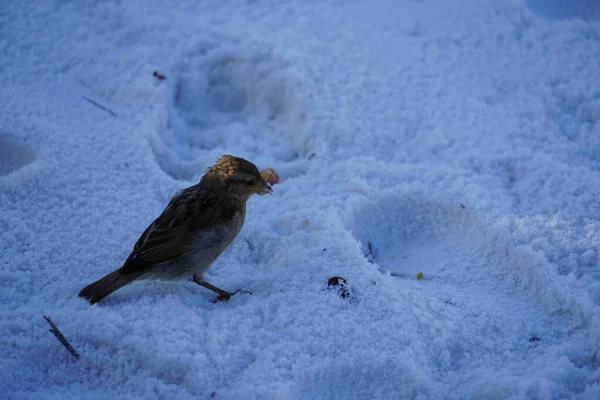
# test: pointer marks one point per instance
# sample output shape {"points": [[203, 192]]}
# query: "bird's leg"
{"points": [[222, 294], [200, 281]]}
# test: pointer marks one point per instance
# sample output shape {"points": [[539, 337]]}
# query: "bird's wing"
{"points": [[167, 238]]}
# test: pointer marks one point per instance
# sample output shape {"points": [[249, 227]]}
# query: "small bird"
{"points": [[198, 224]]}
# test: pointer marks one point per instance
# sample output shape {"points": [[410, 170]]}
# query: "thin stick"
{"points": [[61, 338], [100, 106]]}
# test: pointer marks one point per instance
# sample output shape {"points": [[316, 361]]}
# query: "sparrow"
{"points": [[198, 224]]}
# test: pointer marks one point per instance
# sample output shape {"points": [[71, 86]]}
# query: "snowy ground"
{"points": [[460, 139]]}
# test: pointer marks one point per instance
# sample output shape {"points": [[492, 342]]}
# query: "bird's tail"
{"points": [[104, 286]]}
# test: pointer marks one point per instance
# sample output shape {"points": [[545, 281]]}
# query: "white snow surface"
{"points": [[459, 139]]}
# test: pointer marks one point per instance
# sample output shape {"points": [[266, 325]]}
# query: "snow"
{"points": [[456, 139]]}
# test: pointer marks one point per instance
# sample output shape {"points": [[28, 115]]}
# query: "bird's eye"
{"points": [[251, 182]]}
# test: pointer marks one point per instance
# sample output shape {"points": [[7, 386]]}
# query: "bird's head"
{"points": [[240, 177]]}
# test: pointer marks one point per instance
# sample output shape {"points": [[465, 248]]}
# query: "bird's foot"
{"points": [[227, 295], [223, 295]]}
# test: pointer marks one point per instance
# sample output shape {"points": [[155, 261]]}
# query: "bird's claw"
{"points": [[227, 295]]}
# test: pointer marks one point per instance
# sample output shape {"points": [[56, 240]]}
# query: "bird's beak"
{"points": [[263, 188]]}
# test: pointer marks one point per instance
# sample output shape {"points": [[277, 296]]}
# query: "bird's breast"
{"points": [[208, 244]]}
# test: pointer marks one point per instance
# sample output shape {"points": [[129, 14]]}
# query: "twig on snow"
{"points": [[159, 76], [61, 338], [100, 106]]}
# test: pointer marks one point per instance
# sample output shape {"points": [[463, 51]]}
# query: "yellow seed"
{"points": [[269, 175], [419, 276]]}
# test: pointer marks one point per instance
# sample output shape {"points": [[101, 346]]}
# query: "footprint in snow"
{"points": [[472, 280], [233, 98]]}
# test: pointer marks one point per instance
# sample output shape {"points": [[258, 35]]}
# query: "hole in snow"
{"points": [[405, 236], [13, 155], [565, 9]]}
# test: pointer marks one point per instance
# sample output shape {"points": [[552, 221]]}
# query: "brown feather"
{"points": [[168, 237], [104, 286]]}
